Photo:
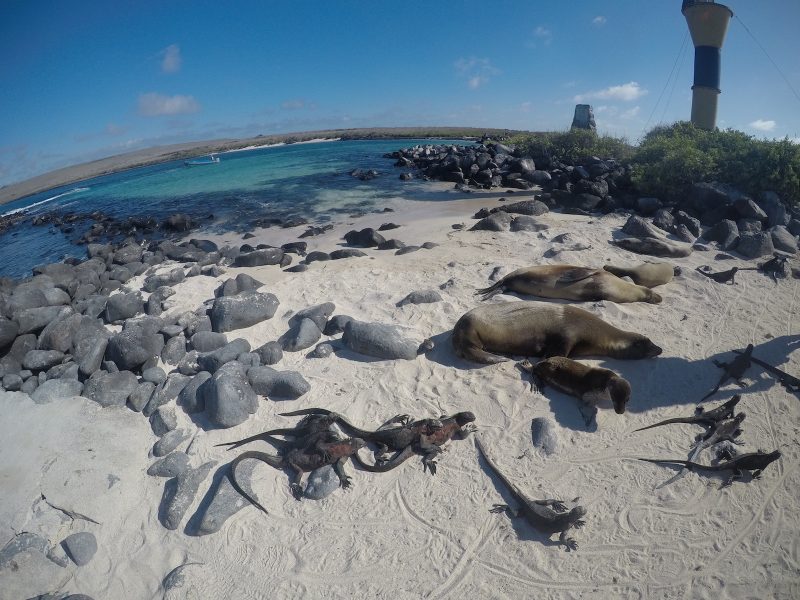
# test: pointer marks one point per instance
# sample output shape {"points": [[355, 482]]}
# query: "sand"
{"points": [[405, 534]]}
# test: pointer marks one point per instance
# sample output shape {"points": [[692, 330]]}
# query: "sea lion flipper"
{"points": [[574, 275]]}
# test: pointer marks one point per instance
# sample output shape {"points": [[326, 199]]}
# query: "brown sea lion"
{"points": [[569, 282], [588, 384], [542, 329], [654, 247], [647, 274]]}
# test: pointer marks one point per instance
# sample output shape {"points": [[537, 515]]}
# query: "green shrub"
{"points": [[670, 158], [572, 146]]}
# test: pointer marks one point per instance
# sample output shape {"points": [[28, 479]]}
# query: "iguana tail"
{"points": [[492, 290], [686, 463], [273, 461], [667, 422], [400, 458], [349, 428], [266, 436]]}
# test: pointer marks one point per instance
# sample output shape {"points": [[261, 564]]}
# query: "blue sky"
{"points": [[86, 79]]}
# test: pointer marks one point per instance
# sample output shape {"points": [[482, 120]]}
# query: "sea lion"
{"points": [[588, 384], [570, 283], [654, 247], [542, 329], [647, 274]]}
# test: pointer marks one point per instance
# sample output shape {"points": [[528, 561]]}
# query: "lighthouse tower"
{"points": [[708, 24]]}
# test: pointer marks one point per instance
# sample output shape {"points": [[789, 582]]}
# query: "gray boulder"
{"points": [[277, 385], [174, 350], [257, 258], [211, 361], [322, 483], [111, 389], [242, 310], [8, 332], [753, 245], [499, 221], [165, 392], [169, 441], [154, 375], [664, 220], [774, 209], [188, 397], [179, 493], [58, 334], [163, 420], [319, 313], [302, 334], [336, 324], [34, 320], [227, 396], [526, 223], [80, 547], [141, 396], [270, 353], [41, 360], [123, 306], [748, 209], [783, 240], [322, 350], [647, 206], [171, 465], [208, 341], [127, 254], [226, 501], [56, 389], [726, 233], [638, 227], [379, 340], [421, 297], [531, 208], [132, 347]]}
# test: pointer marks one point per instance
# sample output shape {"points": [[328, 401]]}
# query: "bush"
{"points": [[671, 158], [571, 146]]}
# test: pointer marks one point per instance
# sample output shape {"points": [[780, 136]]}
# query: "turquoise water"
{"points": [[304, 180]]}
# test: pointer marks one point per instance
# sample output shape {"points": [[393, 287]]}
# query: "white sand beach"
{"points": [[71, 466]]}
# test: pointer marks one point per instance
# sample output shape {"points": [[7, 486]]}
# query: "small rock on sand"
{"points": [[80, 547], [322, 483], [545, 435]]}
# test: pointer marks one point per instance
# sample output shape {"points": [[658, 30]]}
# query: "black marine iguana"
{"points": [[547, 516], [304, 432], [790, 382], [429, 443], [722, 276], [302, 460], [752, 461], [733, 370], [707, 418], [395, 434]]}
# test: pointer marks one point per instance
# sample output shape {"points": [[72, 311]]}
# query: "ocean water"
{"points": [[309, 180]]}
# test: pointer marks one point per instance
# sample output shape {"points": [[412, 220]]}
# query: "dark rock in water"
{"points": [[242, 310], [180, 493], [638, 227], [171, 465], [321, 483], [8, 332], [269, 256], [226, 501], [169, 441], [748, 209], [163, 420], [39, 360], [141, 396], [725, 232], [388, 226], [277, 385], [545, 435], [664, 220], [111, 389], [407, 250], [783, 240], [188, 397], [270, 353], [336, 324], [391, 244], [346, 253], [753, 245], [229, 400], [154, 375], [319, 313], [366, 238], [379, 340], [499, 221], [80, 547], [317, 256], [212, 361], [647, 206], [56, 389], [525, 223], [179, 222], [207, 341], [322, 350], [174, 350], [421, 297], [302, 334], [123, 306]]}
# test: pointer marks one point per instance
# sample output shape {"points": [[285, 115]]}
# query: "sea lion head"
{"points": [[620, 392], [638, 347], [652, 297]]}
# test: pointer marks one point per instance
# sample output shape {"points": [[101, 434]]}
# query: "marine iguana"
{"points": [[395, 434], [302, 460], [310, 426], [774, 266], [752, 461], [429, 444], [707, 418], [722, 276], [547, 516], [733, 370], [790, 382]]}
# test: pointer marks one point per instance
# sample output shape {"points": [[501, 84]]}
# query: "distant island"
{"points": [[160, 154]]}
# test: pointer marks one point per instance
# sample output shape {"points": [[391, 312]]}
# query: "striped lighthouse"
{"points": [[708, 24]]}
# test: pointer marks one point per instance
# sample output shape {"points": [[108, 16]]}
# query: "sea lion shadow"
{"points": [[566, 411], [654, 387]]}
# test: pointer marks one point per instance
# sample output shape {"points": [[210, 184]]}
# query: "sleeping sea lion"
{"points": [[654, 247], [542, 329], [588, 384], [571, 283], [647, 274]]}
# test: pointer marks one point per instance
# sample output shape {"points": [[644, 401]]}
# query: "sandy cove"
{"points": [[405, 534]]}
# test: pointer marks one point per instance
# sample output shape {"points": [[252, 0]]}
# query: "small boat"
{"points": [[211, 160]]}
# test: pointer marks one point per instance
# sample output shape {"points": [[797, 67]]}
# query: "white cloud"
{"points": [[477, 71], [599, 20], [543, 33], [625, 92], [763, 125], [171, 60], [154, 104], [631, 113]]}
